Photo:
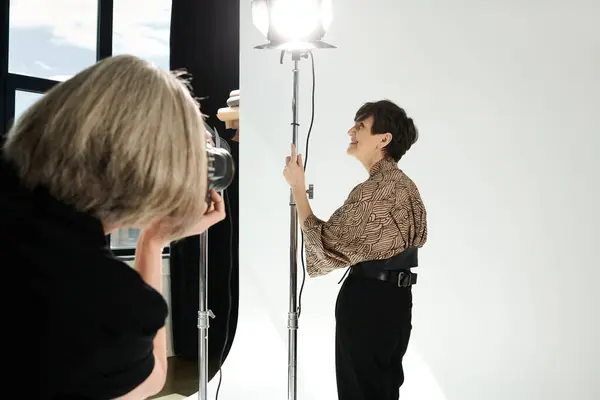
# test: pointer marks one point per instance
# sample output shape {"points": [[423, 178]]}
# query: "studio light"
{"points": [[293, 24], [294, 27]]}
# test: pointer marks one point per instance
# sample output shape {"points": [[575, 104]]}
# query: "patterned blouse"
{"points": [[381, 217]]}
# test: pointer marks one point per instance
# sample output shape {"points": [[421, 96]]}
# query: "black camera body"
{"points": [[221, 166]]}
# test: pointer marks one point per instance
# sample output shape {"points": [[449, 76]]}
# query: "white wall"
{"points": [[505, 97]]}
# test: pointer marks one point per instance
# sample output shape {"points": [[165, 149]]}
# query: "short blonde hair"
{"points": [[122, 140]]}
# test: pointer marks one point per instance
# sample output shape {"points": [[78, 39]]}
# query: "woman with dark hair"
{"points": [[376, 233]]}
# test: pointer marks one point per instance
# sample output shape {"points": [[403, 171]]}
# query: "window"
{"points": [[23, 100], [124, 238], [52, 39], [143, 31]]}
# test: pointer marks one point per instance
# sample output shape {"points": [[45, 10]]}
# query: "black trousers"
{"points": [[373, 325]]}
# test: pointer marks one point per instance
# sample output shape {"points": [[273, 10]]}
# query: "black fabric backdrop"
{"points": [[205, 42]]}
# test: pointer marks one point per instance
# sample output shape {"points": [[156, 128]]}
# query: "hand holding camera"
{"points": [[160, 232]]}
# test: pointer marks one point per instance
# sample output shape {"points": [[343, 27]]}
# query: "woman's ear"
{"points": [[386, 139]]}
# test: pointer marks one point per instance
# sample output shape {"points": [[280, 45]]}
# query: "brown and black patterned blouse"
{"points": [[382, 217]]}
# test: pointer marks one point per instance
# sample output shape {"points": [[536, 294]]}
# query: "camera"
{"points": [[221, 168]]}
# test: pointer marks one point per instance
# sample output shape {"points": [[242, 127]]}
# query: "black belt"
{"points": [[394, 270], [403, 278]]}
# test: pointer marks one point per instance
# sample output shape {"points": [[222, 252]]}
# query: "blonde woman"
{"points": [[121, 144]]}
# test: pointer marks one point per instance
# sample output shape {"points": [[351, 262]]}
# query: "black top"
{"points": [[82, 322]]}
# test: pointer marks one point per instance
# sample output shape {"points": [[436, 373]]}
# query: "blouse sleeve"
{"points": [[354, 231]]}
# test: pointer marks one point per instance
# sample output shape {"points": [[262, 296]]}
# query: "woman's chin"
{"points": [[351, 150]]}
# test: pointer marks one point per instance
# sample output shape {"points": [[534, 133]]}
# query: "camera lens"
{"points": [[221, 168]]}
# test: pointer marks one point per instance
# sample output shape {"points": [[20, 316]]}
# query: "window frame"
{"points": [[11, 83]]}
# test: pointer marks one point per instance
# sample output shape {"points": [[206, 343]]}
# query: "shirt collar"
{"points": [[385, 164]]}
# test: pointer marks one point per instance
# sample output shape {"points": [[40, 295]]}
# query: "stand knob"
{"points": [[310, 191], [204, 319]]}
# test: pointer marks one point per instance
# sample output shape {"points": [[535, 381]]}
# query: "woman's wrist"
{"points": [[302, 203], [148, 261], [150, 244], [299, 190]]}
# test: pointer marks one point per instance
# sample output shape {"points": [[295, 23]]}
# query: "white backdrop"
{"points": [[506, 98]]}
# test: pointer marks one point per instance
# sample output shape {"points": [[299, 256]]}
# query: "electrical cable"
{"points": [[229, 292], [312, 120]]}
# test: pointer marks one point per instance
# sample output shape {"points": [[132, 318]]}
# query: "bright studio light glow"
{"points": [[260, 16], [292, 21]]}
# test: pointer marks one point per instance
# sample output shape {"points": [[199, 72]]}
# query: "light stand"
{"points": [[293, 295], [221, 169], [204, 315], [295, 28], [293, 309]]}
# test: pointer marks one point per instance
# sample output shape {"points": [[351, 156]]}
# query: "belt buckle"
{"points": [[404, 282]]}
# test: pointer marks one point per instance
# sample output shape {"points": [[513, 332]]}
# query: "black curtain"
{"points": [[205, 42], [4, 95]]}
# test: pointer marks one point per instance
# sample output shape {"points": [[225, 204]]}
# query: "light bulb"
{"points": [[294, 20]]}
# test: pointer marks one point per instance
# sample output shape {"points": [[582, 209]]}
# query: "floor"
{"points": [[182, 378]]}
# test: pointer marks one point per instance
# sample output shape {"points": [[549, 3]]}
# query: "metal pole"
{"points": [[203, 320], [293, 303]]}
